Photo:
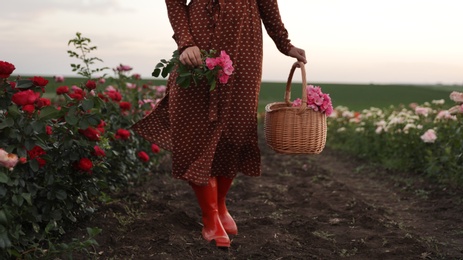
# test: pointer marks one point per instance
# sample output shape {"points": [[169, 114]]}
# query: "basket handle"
{"points": [[297, 64]]}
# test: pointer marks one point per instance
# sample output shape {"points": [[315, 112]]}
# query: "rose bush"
{"points": [[58, 156], [423, 138]]}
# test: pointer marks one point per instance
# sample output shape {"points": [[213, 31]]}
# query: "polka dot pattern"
{"points": [[215, 133]]}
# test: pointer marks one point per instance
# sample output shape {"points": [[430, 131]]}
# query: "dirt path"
{"points": [[327, 206]]}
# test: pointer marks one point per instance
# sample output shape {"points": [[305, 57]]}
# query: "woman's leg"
{"points": [[208, 201], [223, 185]]}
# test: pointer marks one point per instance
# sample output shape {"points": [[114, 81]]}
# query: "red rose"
{"points": [[101, 126], [91, 133], [122, 134], [85, 165], [103, 97], [114, 95], [76, 96], [35, 152], [90, 84], [29, 108], [155, 148], [43, 102], [41, 162], [39, 81], [98, 151], [22, 160], [48, 130], [62, 90], [77, 93], [125, 105], [13, 84], [143, 156], [6, 69], [26, 97]]}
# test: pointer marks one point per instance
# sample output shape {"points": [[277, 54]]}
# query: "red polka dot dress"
{"points": [[215, 133]]}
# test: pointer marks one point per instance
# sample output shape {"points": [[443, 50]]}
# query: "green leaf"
{"points": [[3, 178], [17, 199], [4, 240], [29, 143], [156, 73], [92, 232], [8, 122], [83, 124], [21, 151], [38, 126], [213, 84], [169, 67], [49, 112], [34, 165], [28, 130], [165, 72], [50, 226], [13, 111], [94, 120], [27, 197], [36, 227], [184, 82], [87, 104], [61, 194], [99, 103], [24, 84], [50, 179], [71, 217], [71, 119], [3, 218]]}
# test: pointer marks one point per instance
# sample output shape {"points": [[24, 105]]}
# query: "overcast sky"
{"points": [[355, 41]]}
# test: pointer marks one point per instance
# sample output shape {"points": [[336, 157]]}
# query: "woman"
{"points": [[213, 134]]}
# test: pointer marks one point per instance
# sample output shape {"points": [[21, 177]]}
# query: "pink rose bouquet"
{"points": [[316, 100], [214, 68]]}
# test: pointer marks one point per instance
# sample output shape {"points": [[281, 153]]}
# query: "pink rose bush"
{"points": [[423, 138], [316, 100]]}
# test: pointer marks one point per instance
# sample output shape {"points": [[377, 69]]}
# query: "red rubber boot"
{"points": [[223, 185], [207, 200]]}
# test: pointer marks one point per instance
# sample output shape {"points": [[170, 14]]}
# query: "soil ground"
{"points": [[327, 206]]}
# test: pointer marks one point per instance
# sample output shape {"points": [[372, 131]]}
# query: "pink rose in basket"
{"points": [[316, 100]]}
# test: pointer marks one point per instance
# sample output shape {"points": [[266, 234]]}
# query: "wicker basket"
{"points": [[295, 130]]}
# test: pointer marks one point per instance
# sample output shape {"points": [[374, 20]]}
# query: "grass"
{"points": [[354, 96], [362, 96]]}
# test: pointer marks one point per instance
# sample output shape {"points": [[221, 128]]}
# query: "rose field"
{"points": [[77, 183]]}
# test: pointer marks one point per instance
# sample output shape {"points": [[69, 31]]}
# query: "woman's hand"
{"points": [[191, 56], [297, 53]]}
